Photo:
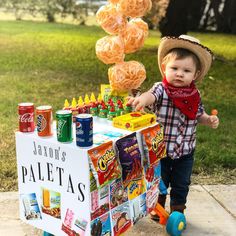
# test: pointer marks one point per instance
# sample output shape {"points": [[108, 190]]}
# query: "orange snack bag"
{"points": [[135, 8], [110, 19], [153, 142], [126, 75], [104, 163], [110, 49]]}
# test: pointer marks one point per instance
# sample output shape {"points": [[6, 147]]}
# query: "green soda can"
{"points": [[64, 126]]}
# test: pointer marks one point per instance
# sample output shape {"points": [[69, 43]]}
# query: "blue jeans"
{"points": [[176, 174]]}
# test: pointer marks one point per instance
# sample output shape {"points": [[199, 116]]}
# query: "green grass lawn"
{"points": [[46, 63]]}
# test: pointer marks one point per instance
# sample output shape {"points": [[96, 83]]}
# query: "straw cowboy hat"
{"points": [[192, 44]]}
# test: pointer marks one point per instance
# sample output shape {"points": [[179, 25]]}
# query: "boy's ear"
{"points": [[197, 74], [163, 68]]}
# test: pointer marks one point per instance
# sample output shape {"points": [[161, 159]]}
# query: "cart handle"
{"points": [[161, 212]]}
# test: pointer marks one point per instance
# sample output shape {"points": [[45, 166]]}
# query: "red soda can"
{"points": [[26, 117], [44, 120]]}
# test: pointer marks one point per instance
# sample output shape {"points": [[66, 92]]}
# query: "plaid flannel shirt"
{"points": [[179, 131]]}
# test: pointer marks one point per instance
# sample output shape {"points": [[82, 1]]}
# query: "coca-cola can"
{"points": [[26, 117]]}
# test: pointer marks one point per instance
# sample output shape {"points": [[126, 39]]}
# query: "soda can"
{"points": [[44, 120], [26, 117], [84, 130], [64, 126]]}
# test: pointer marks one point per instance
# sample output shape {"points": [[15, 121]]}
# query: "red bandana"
{"points": [[186, 99]]}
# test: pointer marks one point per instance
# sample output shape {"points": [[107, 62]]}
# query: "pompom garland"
{"points": [[114, 1], [110, 49], [130, 37], [126, 75], [110, 19], [133, 37], [134, 8], [141, 25]]}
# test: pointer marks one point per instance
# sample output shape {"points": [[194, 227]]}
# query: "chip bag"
{"points": [[130, 158], [104, 164], [153, 143]]}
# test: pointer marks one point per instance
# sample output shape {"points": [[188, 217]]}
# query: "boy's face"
{"points": [[180, 72]]}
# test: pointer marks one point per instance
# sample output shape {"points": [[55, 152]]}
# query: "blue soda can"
{"points": [[84, 130]]}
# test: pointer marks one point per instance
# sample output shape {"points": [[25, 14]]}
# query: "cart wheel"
{"points": [[47, 234], [176, 223]]}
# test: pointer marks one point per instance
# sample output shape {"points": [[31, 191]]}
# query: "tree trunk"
{"points": [[196, 11], [175, 21], [229, 17]]}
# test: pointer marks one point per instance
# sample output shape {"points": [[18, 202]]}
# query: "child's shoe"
{"points": [[179, 208]]}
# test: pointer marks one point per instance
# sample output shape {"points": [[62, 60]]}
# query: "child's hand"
{"points": [[137, 102], [142, 101], [213, 121]]}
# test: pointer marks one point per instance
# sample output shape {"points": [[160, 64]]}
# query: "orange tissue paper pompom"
{"points": [[114, 1], [135, 8], [110, 19], [141, 25], [133, 37], [110, 49], [126, 75]]}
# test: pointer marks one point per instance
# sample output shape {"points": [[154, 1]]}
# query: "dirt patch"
{"points": [[217, 177]]}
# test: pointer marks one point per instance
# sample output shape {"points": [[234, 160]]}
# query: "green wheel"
{"points": [[176, 223]]}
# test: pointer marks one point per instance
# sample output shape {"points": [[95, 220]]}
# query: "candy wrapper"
{"points": [[138, 208], [152, 197], [99, 202], [136, 188], [101, 226], [153, 175], [110, 19], [104, 164], [118, 194], [107, 94], [31, 207], [126, 75], [73, 225], [51, 204], [130, 158], [133, 36], [110, 49], [121, 219], [135, 8], [153, 143]]}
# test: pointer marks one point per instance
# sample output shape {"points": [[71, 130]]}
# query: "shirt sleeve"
{"points": [[157, 91], [201, 109]]}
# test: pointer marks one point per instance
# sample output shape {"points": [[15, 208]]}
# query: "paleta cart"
{"points": [[58, 182]]}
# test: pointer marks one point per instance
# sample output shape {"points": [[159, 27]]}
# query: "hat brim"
{"points": [[203, 53]]}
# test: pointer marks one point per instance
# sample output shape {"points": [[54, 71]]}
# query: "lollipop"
{"points": [[110, 49], [111, 20], [135, 8], [126, 75], [133, 37]]}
